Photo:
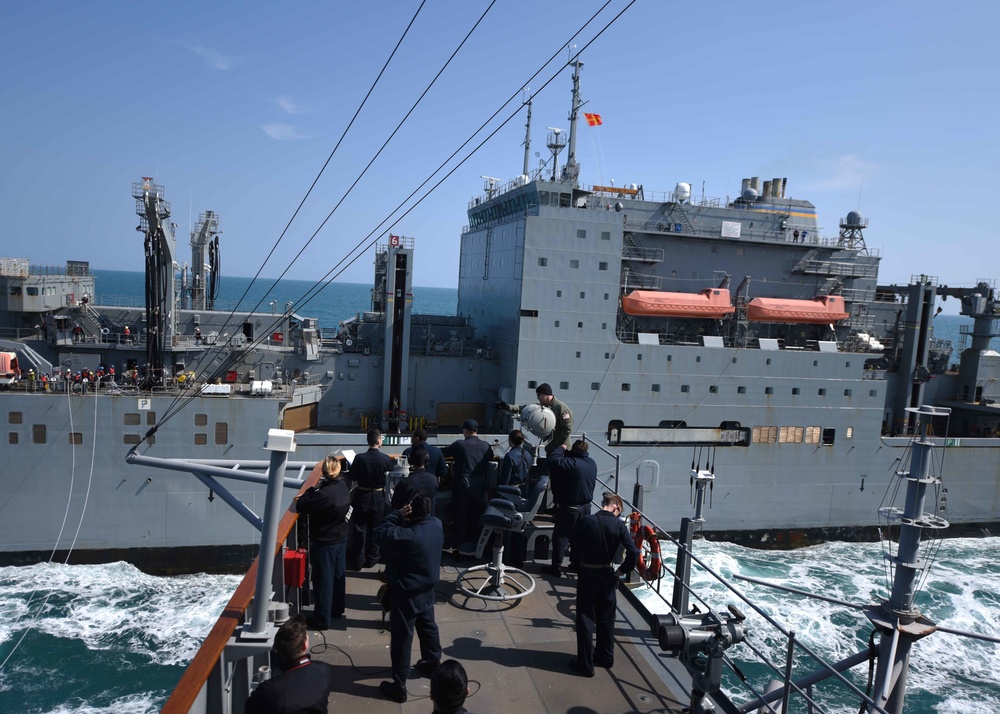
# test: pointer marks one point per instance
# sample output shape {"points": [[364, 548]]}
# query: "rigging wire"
{"points": [[365, 243], [83, 512], [357, 180], [309, 191]]}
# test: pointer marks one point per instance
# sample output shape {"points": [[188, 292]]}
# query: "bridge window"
{"points": [[828, 436], [812, 434], [32, 292]]}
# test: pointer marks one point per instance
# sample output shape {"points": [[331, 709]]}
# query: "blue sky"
{"points": [[234, 107]]}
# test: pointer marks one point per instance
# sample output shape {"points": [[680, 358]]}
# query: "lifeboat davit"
{"points": [[711, 302], [821, 310]]}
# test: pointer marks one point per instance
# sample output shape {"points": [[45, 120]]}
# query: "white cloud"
{"points": [[840, 173], [289, 106], [282, 132], [215, 60]]}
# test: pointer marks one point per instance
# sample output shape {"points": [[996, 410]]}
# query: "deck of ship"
{"points": [[516, 654]]}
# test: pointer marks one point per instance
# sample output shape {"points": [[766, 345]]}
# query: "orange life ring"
{"points": [[653, 569]]}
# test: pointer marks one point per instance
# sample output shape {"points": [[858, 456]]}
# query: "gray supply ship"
{"points": [[711, 333]]}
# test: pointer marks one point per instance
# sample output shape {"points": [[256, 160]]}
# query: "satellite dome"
{"points": [[539, 420], [854, 219], [750, 195]]}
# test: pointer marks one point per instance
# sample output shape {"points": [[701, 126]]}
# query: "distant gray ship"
{"points": [[792, 387]]}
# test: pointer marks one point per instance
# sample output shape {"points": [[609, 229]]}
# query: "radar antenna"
{"points": [[556, 143]]}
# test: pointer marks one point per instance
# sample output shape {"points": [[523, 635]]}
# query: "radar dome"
{"points": [[539, 420], [854, 219], [750, 195], [682, 191]]}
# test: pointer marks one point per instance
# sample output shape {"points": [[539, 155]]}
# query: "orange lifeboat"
{"points": [[9, 371], [821, 310], [711, 302]]}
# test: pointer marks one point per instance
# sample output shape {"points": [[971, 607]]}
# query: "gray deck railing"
{"points": [[798, 655]]}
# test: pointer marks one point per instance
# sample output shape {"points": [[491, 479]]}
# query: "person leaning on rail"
{"points": [[327, 505]]}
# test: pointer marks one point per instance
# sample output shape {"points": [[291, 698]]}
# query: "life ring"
{"points": [[653, 569], [105, 331]]}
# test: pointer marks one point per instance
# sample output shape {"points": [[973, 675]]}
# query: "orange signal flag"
{"points": [[593, 119]]}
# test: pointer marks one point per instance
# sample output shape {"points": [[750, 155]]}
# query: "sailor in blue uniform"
{"points": [[410, 540], [303, 685], [572, 477], [368, 471], [597, 539], [436, 463], [327, 504]]}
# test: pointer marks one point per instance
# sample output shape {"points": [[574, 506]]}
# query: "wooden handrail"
{"points": [[197, 673]]}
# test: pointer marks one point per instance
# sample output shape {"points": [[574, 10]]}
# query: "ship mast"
{"points": [[527, 140], [572, 170]]}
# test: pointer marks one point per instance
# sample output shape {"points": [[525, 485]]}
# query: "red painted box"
{"points": [[295, 567]]}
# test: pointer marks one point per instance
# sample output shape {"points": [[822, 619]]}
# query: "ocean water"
{"points": [[108, 639], [331, 304], [100, 639]]}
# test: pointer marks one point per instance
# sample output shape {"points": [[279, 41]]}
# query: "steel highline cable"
{"points": [[366, 243]]}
